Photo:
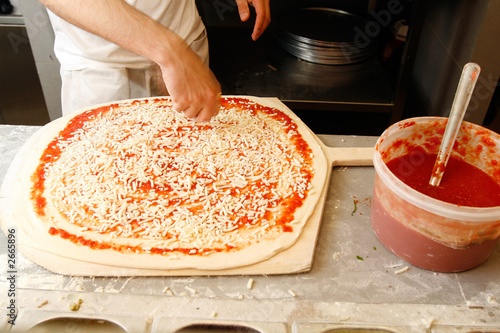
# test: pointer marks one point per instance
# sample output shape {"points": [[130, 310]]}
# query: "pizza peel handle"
{"points": [[336, 156], [351, 156]]}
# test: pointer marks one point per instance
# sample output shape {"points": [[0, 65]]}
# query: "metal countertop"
{"points": [[354, 283]]}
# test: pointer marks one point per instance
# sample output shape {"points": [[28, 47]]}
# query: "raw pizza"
{"points": [[136, 184]]}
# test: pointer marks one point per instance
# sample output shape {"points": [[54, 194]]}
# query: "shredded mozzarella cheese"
{"points": [[144, 170]]}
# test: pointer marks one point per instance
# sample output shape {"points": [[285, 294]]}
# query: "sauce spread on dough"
{"points": [[95, 245]]}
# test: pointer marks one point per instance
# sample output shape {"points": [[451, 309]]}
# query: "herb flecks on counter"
{"points": [[76, 306], [355, 207]]}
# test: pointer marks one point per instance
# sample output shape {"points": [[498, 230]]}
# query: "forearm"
{"points": [[120, 23], [192, 86]]}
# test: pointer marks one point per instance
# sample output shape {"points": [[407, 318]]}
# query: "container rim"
{"points": [[425, 202]]}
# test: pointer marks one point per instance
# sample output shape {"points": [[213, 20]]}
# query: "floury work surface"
{"points": [[354, 283]]}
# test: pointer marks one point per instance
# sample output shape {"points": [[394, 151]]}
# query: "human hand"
{"points": [[191, 84], [263, 12]]}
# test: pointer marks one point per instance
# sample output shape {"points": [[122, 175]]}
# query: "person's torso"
{"points": [[76, 48]]}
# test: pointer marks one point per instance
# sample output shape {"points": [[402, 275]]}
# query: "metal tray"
{"points": [[325, 35]]}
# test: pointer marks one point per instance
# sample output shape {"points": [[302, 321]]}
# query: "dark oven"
{"points": [[342, 66]]}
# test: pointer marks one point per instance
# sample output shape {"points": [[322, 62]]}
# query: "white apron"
{"points": [[95, 71]]}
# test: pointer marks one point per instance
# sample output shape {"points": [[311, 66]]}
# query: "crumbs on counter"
{"points": [[250, 284], [491, 299], [76, 306], [43, 304], [402, 270]]}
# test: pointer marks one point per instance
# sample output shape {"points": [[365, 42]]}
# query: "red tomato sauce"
{"points": [[462, 183], [95, 245]]}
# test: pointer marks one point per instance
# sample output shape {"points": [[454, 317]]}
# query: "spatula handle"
{"points": [[466, 85]]}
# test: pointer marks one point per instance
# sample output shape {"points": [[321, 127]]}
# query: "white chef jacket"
{"points": [[95, 71]]}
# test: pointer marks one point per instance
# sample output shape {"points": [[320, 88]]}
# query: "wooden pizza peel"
{"points": [[296, 259]]}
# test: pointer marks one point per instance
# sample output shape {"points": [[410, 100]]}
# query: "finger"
{"points": [[208, 112], [192, 112], [263, 18], [200, 112], [189, 112], [179, 106], [243, 9], [203, 116]]}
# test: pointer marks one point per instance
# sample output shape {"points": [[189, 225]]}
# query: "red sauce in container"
{"points": [[450, 228], [462, 184]]}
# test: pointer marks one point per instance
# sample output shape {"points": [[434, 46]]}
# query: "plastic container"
{"points": [[424, 231]]}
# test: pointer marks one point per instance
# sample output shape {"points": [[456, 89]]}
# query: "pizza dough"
{"points": [[209, 162]]}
